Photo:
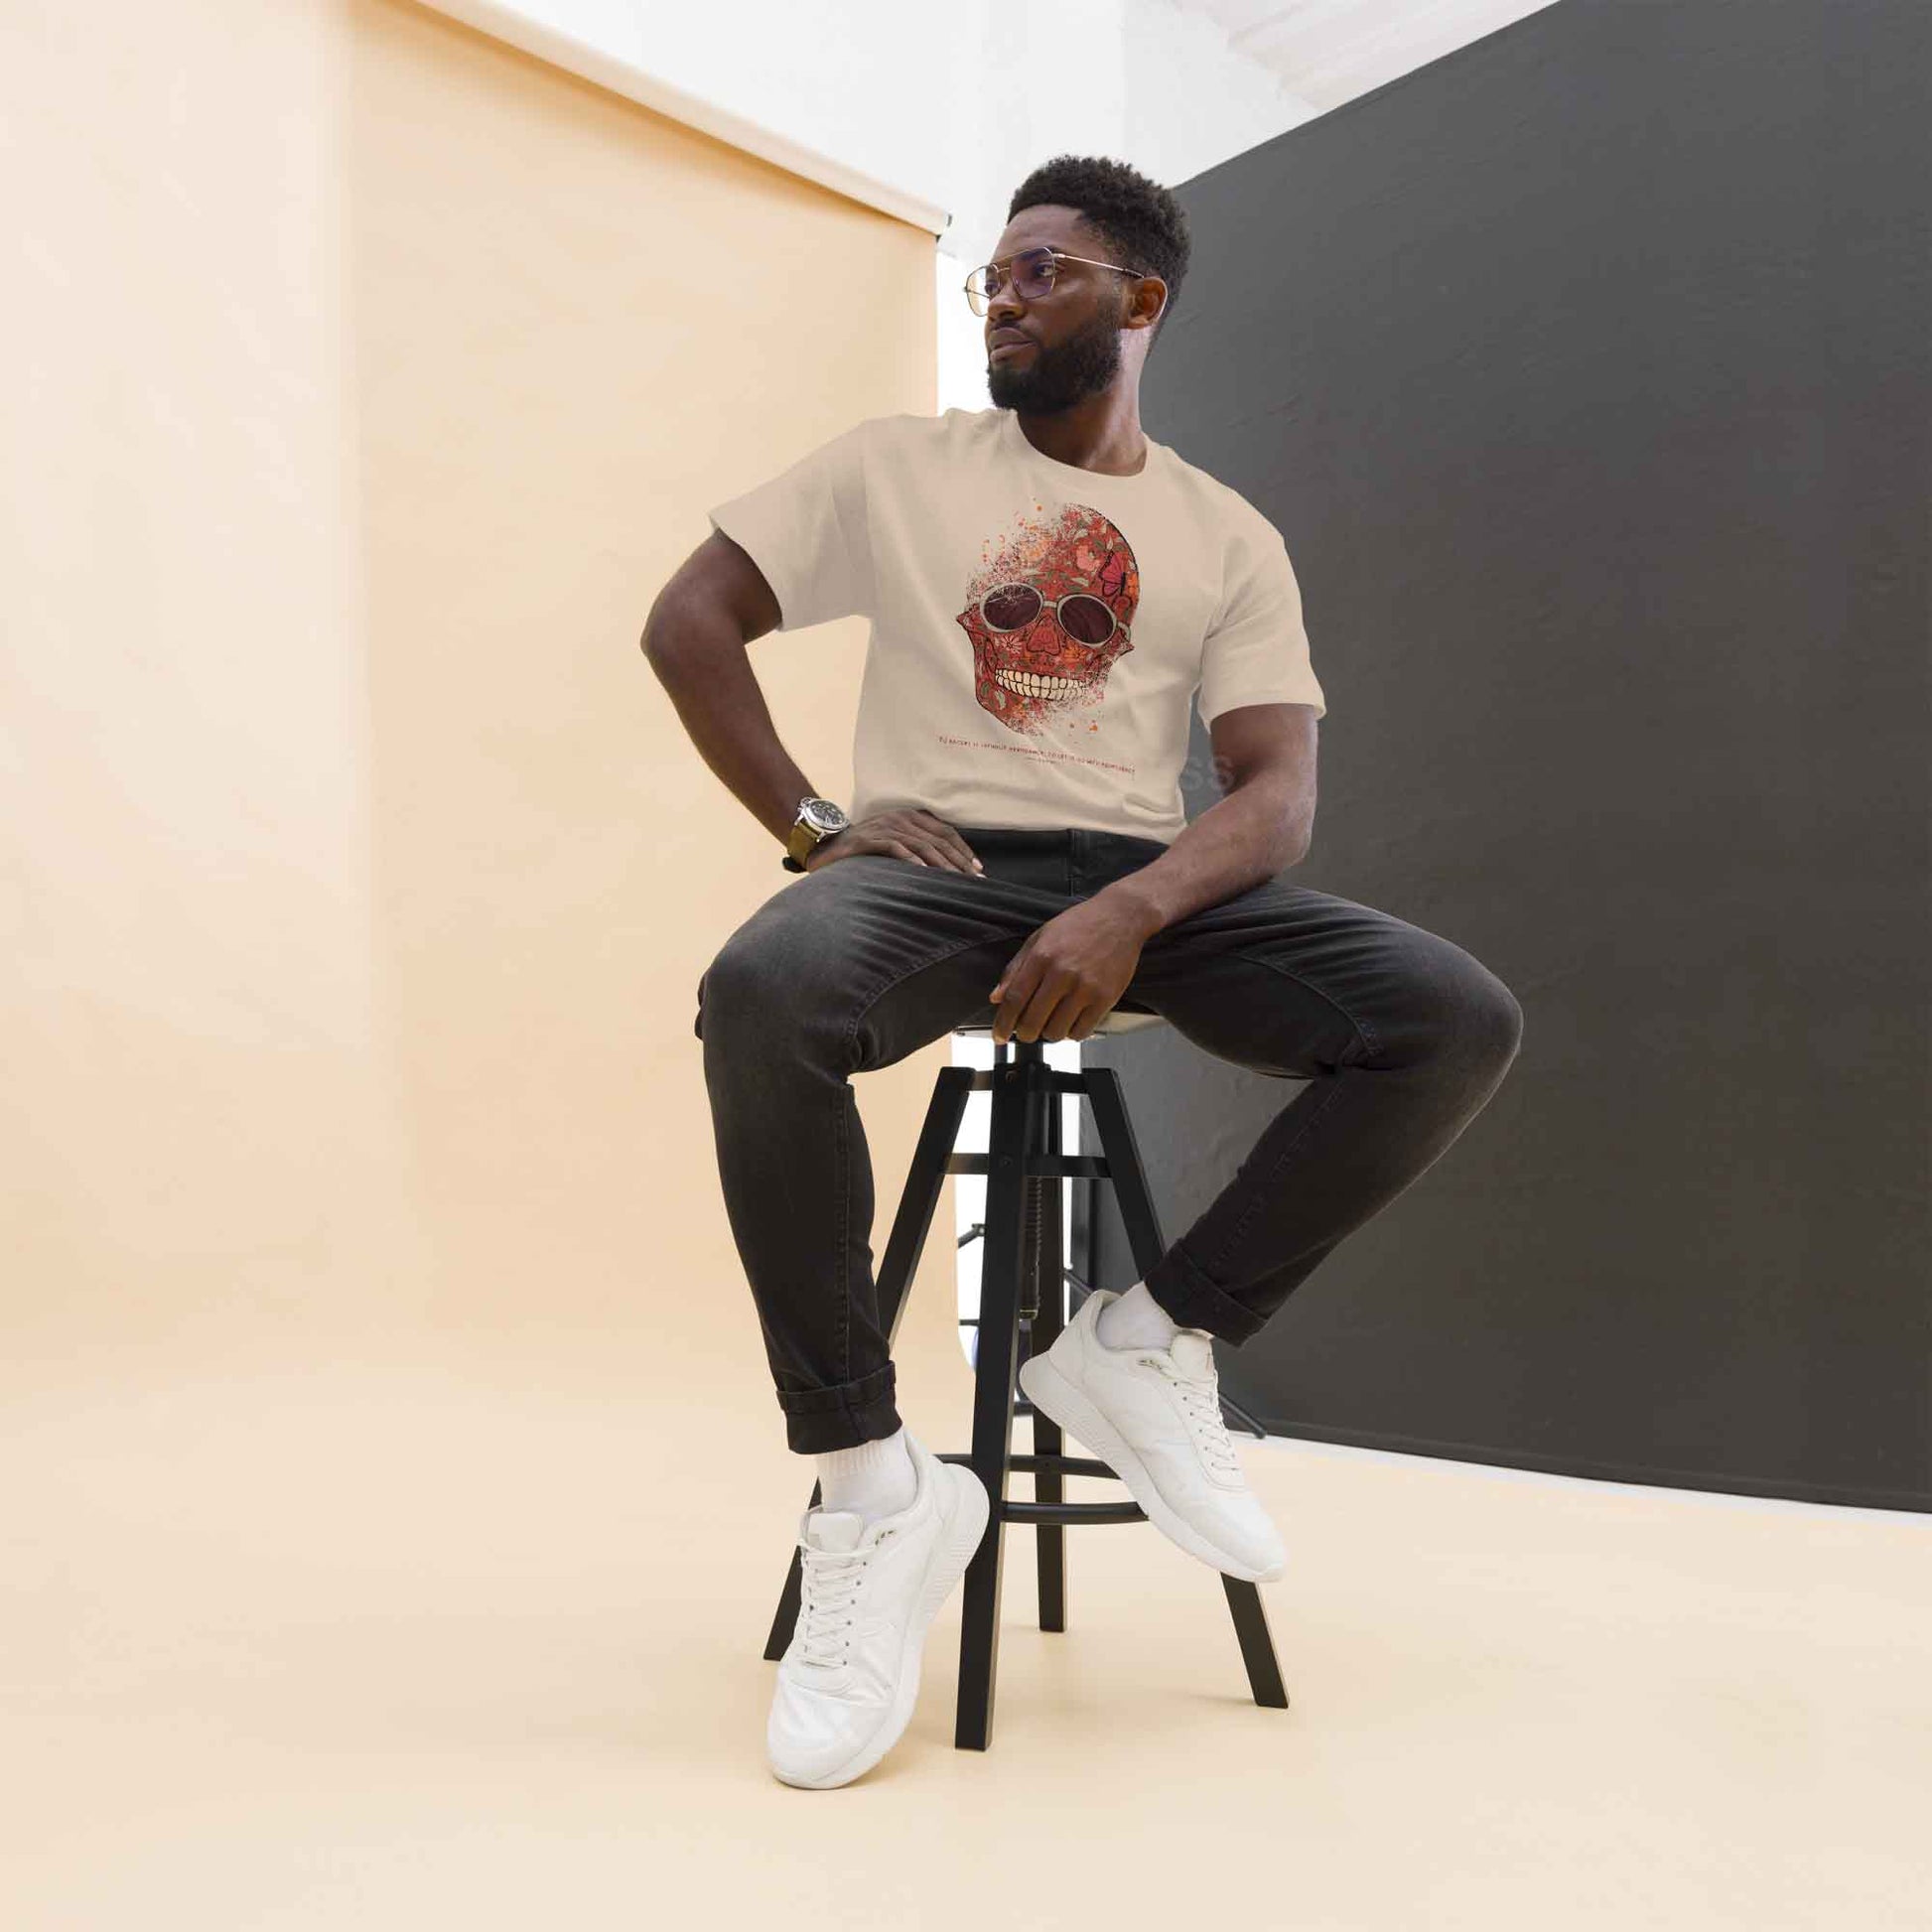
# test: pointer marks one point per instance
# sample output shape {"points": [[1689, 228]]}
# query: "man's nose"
{"points": [[1003, 307]]}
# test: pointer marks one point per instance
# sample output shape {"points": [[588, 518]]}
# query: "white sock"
{"points": [[1136, 1320], [875, 1479]]}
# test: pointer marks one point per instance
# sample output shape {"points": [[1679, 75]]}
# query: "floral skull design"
{"points": [[1047, 616]]}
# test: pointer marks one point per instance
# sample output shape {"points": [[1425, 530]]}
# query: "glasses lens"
{"points": [[1011, 607], [1032, 277], [1032, 273], [1086, 620]]}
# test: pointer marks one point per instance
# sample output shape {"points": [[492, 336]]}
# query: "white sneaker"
{"points": [[1154, 1417], [850, 1677]]}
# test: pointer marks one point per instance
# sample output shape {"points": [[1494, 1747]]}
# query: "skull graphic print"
{"points": [[1048, 615]]}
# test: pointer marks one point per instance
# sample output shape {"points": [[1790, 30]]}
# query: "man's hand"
{"points": [[1066, 979], [916, 835]]}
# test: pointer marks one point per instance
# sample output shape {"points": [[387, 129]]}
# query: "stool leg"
{"points": [[924, 1182], [1049, 1298], [1136, 1201], [1257, 1646], [997, 1360]]}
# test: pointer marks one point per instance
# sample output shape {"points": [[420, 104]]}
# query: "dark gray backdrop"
{"points": [[1585, 374]]}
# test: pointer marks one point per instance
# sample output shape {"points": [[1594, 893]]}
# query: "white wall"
{"points": [[952, 106]]}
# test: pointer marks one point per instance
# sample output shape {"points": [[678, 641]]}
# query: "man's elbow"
{"points": [[1288, 814], [672, 625], [1302, 836], [1294, 829], [653, 641]]}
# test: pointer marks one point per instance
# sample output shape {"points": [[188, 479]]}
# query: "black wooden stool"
{"points": [[1023, 1288]]}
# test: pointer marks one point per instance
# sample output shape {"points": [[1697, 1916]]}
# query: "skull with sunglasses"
{"points": [[1049, 617]]}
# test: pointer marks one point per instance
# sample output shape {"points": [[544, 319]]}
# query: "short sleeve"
{"points": [[1256, 650], [807, 529]]}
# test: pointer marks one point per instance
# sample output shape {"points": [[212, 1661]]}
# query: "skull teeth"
{"points": [[1030, 684]]}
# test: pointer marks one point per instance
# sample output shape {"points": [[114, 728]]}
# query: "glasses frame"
{"points": [[1050, 604], [1058, 255]]}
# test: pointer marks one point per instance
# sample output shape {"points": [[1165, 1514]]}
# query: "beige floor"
{"points": [[428, 1636]]}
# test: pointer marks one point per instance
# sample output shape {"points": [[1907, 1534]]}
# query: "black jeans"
{"points": [[1400, 1035]]}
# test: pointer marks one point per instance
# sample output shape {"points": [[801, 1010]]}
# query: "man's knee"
{"points": [[769, 981], [1487, 1019], [741, 980], [1459, 1010]]}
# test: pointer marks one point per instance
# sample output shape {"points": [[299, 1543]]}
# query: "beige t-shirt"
{"points": [[1038, 630]]}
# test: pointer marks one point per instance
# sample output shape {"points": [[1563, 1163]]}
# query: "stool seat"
{"points": [[1122, 1018], [1024, 1284]]}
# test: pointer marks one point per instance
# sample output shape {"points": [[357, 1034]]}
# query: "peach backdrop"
{"points": [[371, 378]]}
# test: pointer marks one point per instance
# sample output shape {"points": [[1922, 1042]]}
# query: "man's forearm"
{"points": [[1258, 830], [701, 660]]}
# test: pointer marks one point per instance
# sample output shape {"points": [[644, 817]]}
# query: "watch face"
{"points": [[825, 815]]}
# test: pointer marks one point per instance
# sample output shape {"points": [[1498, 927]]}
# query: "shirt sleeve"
{"points": [[807, 529], [1256, 650]]}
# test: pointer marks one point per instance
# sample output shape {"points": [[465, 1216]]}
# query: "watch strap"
{"points": [[803, 839]]}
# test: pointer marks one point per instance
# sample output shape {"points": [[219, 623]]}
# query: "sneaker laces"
{"points": [[829, 1591], [1202, 1402]]}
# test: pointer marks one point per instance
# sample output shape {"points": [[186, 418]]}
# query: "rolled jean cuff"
{"points": [[819, 1421], [1176, 1283]]}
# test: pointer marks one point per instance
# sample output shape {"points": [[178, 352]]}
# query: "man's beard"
{"points": [[1052, 380]]}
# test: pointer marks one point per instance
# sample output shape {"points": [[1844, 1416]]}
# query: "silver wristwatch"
{"points": [[817, 820]]}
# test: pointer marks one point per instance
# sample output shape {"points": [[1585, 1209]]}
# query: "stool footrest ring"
{"points": [[1013, 1512], [1063, 1513], [1043, 1466]]}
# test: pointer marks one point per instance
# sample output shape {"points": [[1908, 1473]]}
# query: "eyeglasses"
{"points": [[1086, 619], [1033, 273]]}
